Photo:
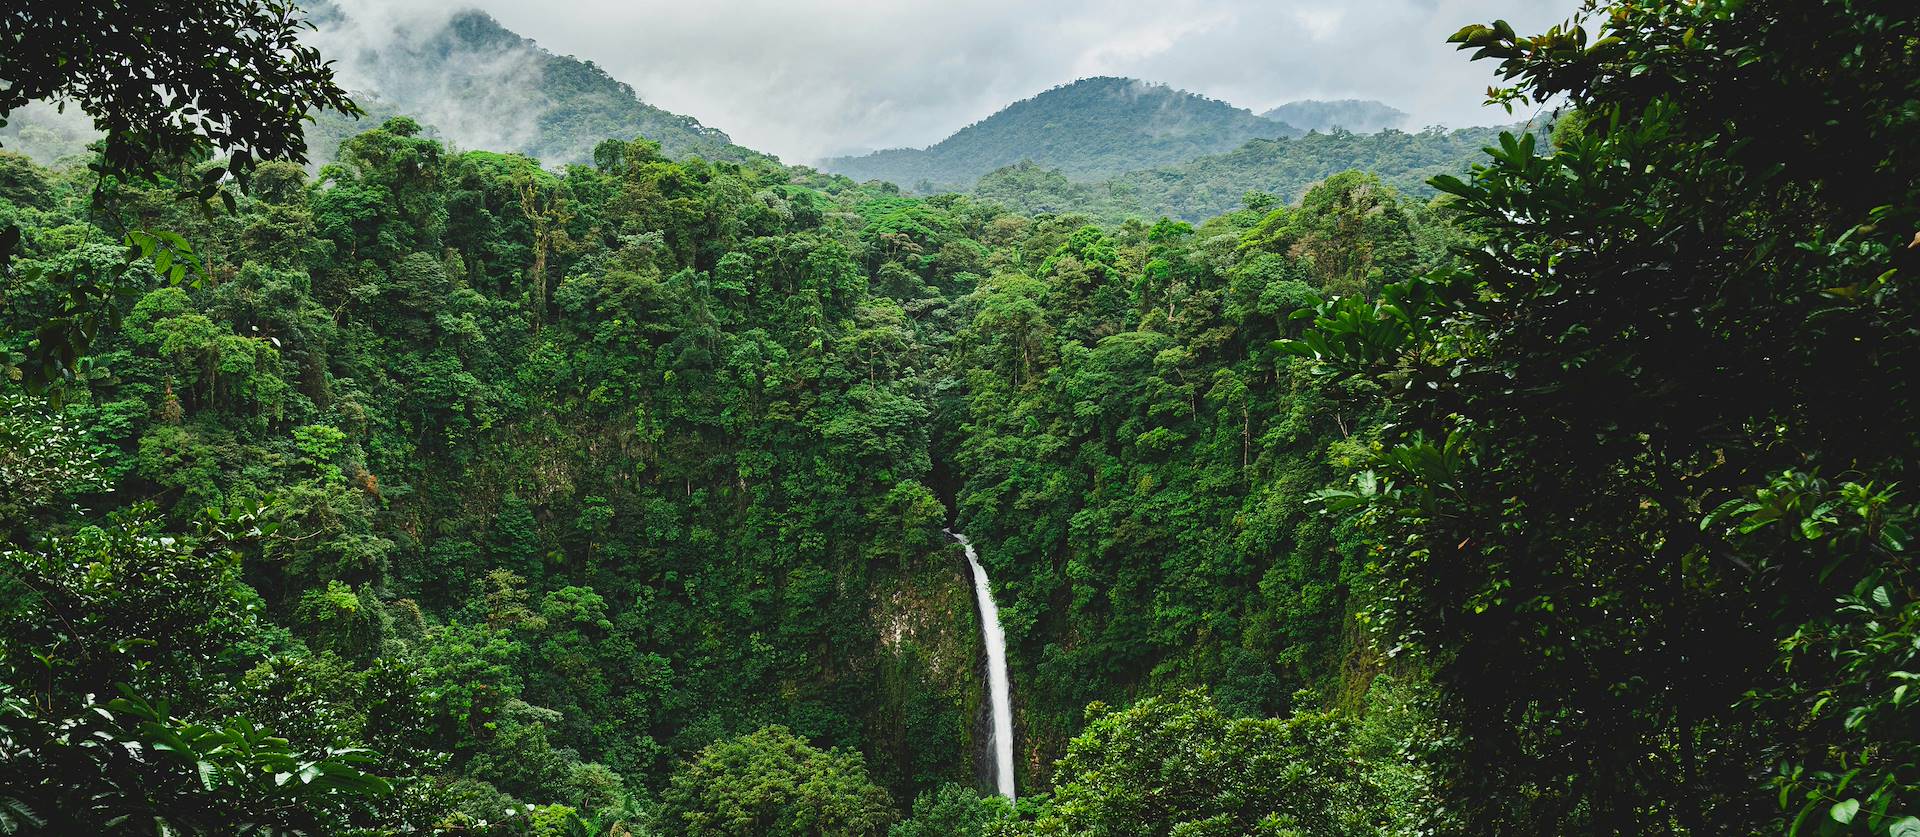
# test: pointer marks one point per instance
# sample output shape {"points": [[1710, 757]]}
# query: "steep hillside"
{"points": [[480, 85], [1212, 185], [1092, 128], [1363, 116], [452, 492], [468, 80]]}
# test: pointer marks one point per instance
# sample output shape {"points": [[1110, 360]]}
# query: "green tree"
{"points": [[1351, 231], [953, 810], [237, 76], [123, 609], [1179, 766], [1650, 437], [772, 782], [42, 457], [237, 79]]}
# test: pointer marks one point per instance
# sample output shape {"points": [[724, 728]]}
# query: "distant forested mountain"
{"points": [[1363, 116], [1090, 129], [466, 79], [1215, 184], [445, 492], [481, 85]]}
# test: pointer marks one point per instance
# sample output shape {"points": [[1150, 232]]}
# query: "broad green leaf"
{"points": [[1844, 810]]}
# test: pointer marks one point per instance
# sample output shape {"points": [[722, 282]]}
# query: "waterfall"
{"points": [[998, 689]]}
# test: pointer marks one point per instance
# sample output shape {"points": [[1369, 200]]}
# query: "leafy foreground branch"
{"points": [[1647, 493], [608, 500]]}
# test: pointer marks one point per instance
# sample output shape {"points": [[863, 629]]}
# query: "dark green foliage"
{"points": [[463, 494], [106, 765], [1137, 458], [1195, 189], [578, 473], [771, 782], [23, 184], [1179, 766], [237, 77], [43, 459], [1645, 500], [953, 811], [167, 84], [126, 609], [1094, 127]]}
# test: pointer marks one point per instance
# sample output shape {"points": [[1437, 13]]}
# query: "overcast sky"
{"points": [[810, 78]]}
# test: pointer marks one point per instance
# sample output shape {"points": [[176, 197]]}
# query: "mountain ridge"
{"points": [[1361, 116], [467, 79], [481, 85], [1089, 128]]}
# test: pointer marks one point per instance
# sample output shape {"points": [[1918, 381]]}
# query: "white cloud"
{"points": [[810, 79], [1321, 23]]}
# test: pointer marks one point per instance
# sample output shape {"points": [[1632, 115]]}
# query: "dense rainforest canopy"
{"points": [[442, 490], [1212, 185]]}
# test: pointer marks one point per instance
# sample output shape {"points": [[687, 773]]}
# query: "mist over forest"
{"points": [[407, 426]]}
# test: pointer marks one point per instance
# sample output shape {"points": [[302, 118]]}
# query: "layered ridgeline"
{"points": [[453, 494], [1117, 148], [1361, 116], [1113, 148], [1092, 128], [466, 79]]}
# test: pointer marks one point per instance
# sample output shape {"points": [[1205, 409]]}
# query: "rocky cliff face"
{"points": [[929, 724]]}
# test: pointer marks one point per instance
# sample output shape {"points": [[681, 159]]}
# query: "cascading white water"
{"points": [[998, 688]]}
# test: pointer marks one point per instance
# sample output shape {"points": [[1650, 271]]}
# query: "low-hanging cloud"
{"points": [[392, 49], [805, 80]]}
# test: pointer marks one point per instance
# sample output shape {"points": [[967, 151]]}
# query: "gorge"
{"points": [[1544, 480]]}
